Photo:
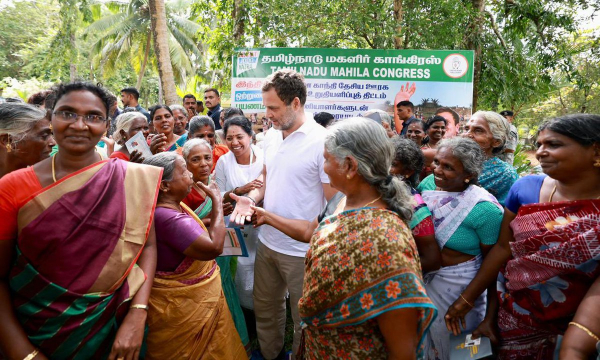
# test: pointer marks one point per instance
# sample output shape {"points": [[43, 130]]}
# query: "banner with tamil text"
{"points": [[349, 82]]}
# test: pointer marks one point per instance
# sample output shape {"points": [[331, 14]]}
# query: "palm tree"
{"points": [[125, 35], [158, 18]]}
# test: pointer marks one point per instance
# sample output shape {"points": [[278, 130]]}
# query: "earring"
{"points": [[467, 180], [8, 148], [348, 177], [597, 163]]}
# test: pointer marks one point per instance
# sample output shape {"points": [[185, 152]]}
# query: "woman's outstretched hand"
{"points": [[243, 209]]}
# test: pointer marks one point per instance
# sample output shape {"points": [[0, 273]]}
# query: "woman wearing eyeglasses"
{"points": [[76, 268]]}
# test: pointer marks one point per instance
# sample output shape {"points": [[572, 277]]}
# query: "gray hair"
{"points": [[124, 122], [16, 119], [198, 122], [180, 108], [385, 117], [468, 152], [191, 144], [498, 126], [367, 142], [165, 160]]}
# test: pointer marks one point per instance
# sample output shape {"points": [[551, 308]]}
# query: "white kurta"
{"points": [[229, 175]]}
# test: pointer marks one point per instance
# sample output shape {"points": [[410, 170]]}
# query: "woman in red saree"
{"points": [[76, 243], [549, 244]]}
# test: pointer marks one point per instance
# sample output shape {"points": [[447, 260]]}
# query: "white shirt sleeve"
{"points": [[322, 174]]}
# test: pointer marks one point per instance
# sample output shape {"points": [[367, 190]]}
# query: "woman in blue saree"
{"points": [[163, 123]]}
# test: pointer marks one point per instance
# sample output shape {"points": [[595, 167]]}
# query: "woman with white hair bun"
{"points": [[490, 131], [127, 126]]}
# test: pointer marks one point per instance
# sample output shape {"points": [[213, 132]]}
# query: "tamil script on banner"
{"points": [[350, 82]]}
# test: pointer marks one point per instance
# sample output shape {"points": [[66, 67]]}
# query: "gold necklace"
{"points": [[554, 190], [53, 171], [371, 202]]}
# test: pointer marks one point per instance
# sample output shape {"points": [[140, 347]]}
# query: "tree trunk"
{"points": [[143, 69], [160, 91], [238, 21], [398, 14], [474, 43], [160, 34]]}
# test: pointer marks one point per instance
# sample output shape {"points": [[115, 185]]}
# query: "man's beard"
{"points": [[287, 121]]}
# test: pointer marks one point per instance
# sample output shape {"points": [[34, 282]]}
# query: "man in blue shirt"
{"points": [[212, 100], [130, 97], [406, 111]]}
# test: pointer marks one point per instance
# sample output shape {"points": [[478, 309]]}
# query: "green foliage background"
{"points": [[536, 60]]}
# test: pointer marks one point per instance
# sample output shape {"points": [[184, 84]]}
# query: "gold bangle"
{"points": [[585, 329], [32, 355], [468, 303], [139, 306]]}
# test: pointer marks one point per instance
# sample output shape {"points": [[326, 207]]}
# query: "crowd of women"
{"points": [[428, 237]]}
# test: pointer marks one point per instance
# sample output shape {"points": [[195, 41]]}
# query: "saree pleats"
{"points": [[189, 317], [227, 265]]}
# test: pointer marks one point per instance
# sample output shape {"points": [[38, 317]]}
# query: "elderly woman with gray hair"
{"points": [[363, 295], [467, 222], [180, 117], [25, 136], [490, 131], [187, 285], [197, 154], [203, 127], [127, 126]]}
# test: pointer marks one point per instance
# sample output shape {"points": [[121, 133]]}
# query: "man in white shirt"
{"points": [[296, 187]]}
